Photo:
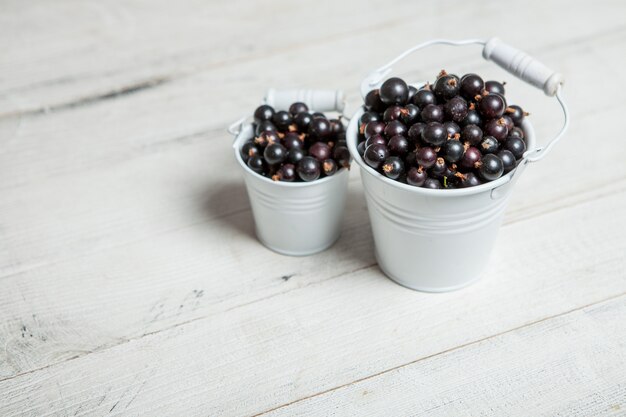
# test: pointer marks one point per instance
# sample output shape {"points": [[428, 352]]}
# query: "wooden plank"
{"points": [[571, 365], [275, 351], [68, 53]]}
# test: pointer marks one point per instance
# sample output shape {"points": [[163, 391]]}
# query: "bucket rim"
{"points": [[351, 139], [236, 145]]}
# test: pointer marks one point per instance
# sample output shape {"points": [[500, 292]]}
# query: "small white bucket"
{"points": [[436, 240], [295, 218]]}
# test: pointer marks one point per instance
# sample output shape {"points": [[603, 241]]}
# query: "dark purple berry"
{"points": [[434, 133], [282, 120], [424, 97], [394, 91], [409, 114], [416, 176], [472, 134], [516, 114], [302, 121], [341, 154], [393, 167], [439, 168], [426, 157], [432, 113], [394, 128], [297, 108], [265, 126], [496, 128], [471, 156], [489, 144], [376, 139], [456, 109], [412, 91], [320, 151], [471, 86], [248, 150], [295, 155], [360, 148], [398, 145], [472, 118], [292, 140], [415, 132], [375, 155], [392, 113], [263, 113], [329, 167], [369, 116], [508, 122], [492, 106], [373, 101], [286, 173], [517, 146], [336, 127], [490, 167], [257, 164], [452, 129], [267, 138], [318, 114], [452, 150], [508, 160], [446, 86], [432, 183], [495, 87], [469, 179], [374, 128], [517, 132], [308, 169], [275, 153], [319, 128]]}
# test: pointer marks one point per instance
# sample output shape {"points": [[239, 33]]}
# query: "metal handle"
{"points": [[518, 63]]}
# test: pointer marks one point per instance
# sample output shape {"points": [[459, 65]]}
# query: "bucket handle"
{"points": [[511, 59]]}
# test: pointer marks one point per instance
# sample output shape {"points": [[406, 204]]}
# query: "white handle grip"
{"points": [[316, 100], [522, 66]]}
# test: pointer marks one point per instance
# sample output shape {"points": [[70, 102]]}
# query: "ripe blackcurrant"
{"points": [[426, 157], [516, 114], [320, 151], [295, 155], [297, 108], [375, 155], [375, 139], [369, 116], [490, 167], [491, 106], [497, 128], [319, 128], [373, 101], [393, 167], [416, 176], [517, 132], [508, 160], [434, 133], [302, 121], [342, 156], [472, 118], [248, 150], [412, 91], [489, 144], [469, 179], [517, 146], [308, 169], [452, 129], [329, 167], [265, 126], [446, 86], [415, 132], [409, 114], [495, 87], [394, 128], [394, 91], [432, 113], [360, 148], [424, 97], [398, 145], [374, 128], [275, 153], [286, 173], [472, 134], [392, 113], [432, 183], [456, 109], [292, 140], [471, 156], [257, 164], [263, 113], [471, 86], [452, 150], [267, 138], [282, 120]]}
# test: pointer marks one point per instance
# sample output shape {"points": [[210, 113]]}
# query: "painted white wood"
{"points": [[263, 354], [571, 365]]}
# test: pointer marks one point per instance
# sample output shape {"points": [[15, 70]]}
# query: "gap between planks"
{"points": [[123, 341], [443, 352]]}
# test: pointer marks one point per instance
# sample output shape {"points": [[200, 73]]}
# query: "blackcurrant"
{"points": [[369, 116], [416, 176], [374, 128], [341, 154], [329, 167], [496, 128], [471, 156], [360, 148], [393, 167], [508, 160], [266, 138], [292, 140], [439, 168], [398, 145], [394, 91], [456, 109], [489, 144], [412, 91], [394, 128], [248, 150], [415, 132], [491, 106], [320, 151], [409, 114], [295, 155], [426, 157], [424, 97], [432, 113], [297, 108], [263, 113], [373, 101], [375, 155], [308, 169], [282, 120], [257, 164], [446, 86], [275, 153], [517, 132], [319, 128], [452, 150], [286, 172], [302, 121], [265, 126], [495, 87], [392, 113], [375, 139], [490, 167], [452, 129], [469, 179], [471, 86], [318, 114], [517, 146], [516, 114], [472, 118], [434, 133], [336, 127], [432, 183], [472, 134]]}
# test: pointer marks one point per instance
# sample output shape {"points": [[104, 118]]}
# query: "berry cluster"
{"points": [[455, 133], [295, 145]]}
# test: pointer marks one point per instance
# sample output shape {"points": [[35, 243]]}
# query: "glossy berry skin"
{"points": [[298, 107], [292, 140], [266, 138], [369, 116], [472, 134], [319, 128], [432, 113], [265, 126], [320, 151], [439, 168], [471, 156], [394, 128], [308, 169], [473, 118], [256, 164], [432, 183], [470, 179], [376, 139], [435, 134], [409, 114], [415, 132], [282, 120], [275, 153], [329, 167], [394, 91], [508, 160], [392, 113], [373, 128], [295, 155], [492, 106], [263, 113], [341, 154], [302, 121], [423, 98], [456, 109], [410, 159], [286, 173], [360, 148], [412, 91], [489, 144], [452, 150], [398, 145], [248, 150], [375, 155], [393, 167], [471, 86], [373, 101], [416, 176], [452, 129], [426, 157], [517, 132], [508, 122], [497, 128], [491, 167], [516, 114], [517, 146], [447, 86], [495, 87], [336, 127]]}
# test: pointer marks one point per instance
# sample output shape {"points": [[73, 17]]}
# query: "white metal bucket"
{"points": [[295, 218], [436, 240]]}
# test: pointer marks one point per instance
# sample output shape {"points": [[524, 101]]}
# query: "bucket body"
{"points": [[433, 240], [294, 218]]}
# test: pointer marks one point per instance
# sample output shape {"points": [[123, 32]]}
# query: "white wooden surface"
{"points": [[130, 280]]}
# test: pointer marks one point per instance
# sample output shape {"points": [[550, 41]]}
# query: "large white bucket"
{"points": [[295, 218], [437, 240]]}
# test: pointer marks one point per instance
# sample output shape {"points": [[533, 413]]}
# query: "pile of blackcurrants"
{"points": [[295, 145], [455, 133]]}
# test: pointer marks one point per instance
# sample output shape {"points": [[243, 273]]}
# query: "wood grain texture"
{"points": [[321, 336]]}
